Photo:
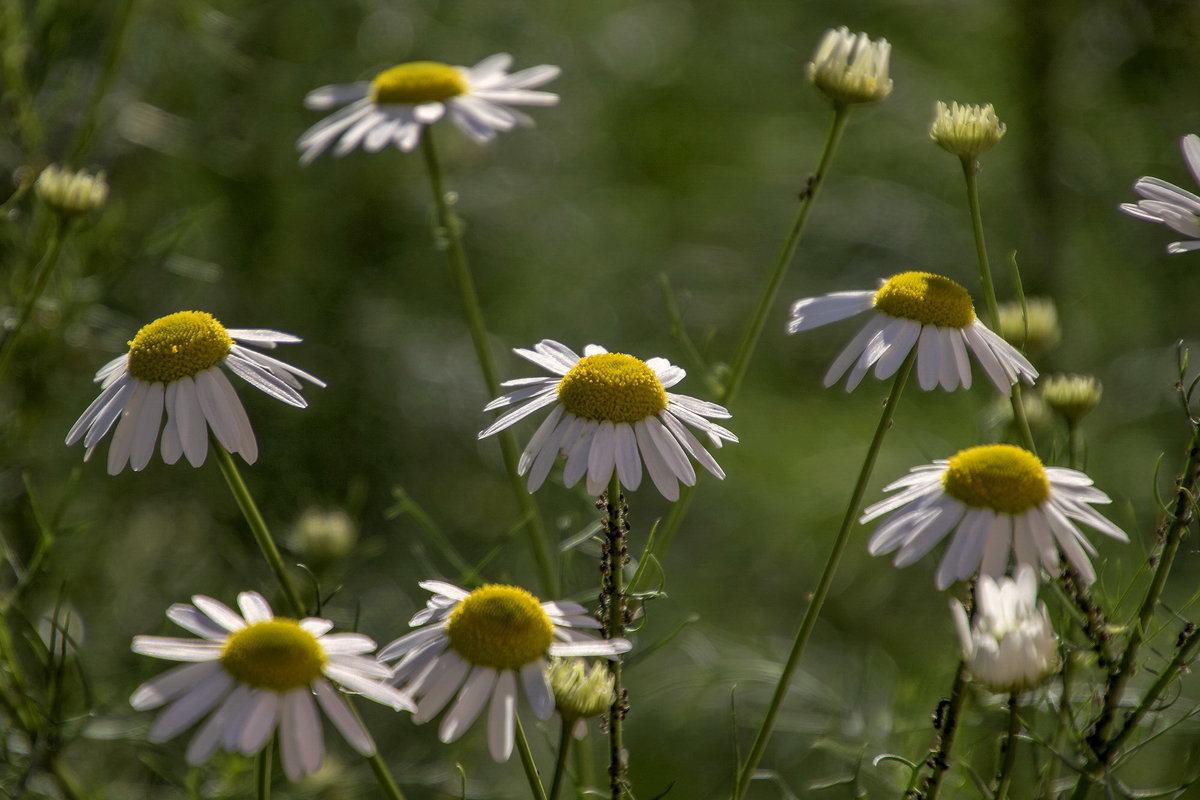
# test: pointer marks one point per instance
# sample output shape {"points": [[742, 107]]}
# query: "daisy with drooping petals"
{"points": [[260, 673], [392, 108], [914, 309], [174, 364], [608, 407], [1164, 202], [474, 644], [996, 499]]}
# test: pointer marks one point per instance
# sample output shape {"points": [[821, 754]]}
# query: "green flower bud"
{"points": [[966, 131], [1037, 336], [71, 193], [580, 691], [1072, 396]]}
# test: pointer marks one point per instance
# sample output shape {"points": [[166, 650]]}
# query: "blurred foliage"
{"points": [[685, 133]]}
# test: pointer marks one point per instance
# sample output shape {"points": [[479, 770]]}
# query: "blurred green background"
{"points": [[685, 132]]}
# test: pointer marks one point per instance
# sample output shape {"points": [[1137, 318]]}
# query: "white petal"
{"points": [[343, 718], [537, 689], [471, 700], [502, 716]]}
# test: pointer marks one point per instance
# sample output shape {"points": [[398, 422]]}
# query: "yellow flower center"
{"points": [[1001, 477], [177, 346], [277, 654], [418, 82], [612, 387], [929, 299], [502, 627]]}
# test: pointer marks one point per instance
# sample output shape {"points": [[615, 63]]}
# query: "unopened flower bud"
{"points": [[1010, 647], [850, 68], [580, 691], [1034, 330], [323, 536], [1072, 396], [71, 193], [966, 131]]}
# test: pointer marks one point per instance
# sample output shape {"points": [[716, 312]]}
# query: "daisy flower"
{"points": [[1164, 202], [995, 498], [473, 645], [608, 408], [260, 673], [921, 310], [850, 68], [174, 364], [1011, 646], [400, 101]]}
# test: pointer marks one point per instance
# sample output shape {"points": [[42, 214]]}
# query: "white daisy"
{"points": [[260, 673], [914, 309], [1165, 202], [996, 498], [474, 644], [1011, 645], [174, 364], [400, 101], [608, 407]]}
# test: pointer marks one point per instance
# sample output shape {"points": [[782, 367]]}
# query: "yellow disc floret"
{"points": [[502, 627], [1004, 478], [177, 346], [418, 82], [927, 298], [277, 654], [612, 387]]}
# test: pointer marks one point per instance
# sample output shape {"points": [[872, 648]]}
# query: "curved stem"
{"points": [[42, 273], [612, 604], [262, 536], [449, 237], [531, 770], [560, 763], [1004, 780], [746, 773]]}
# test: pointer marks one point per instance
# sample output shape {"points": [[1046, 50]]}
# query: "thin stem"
{"points": [[560, 762], [262, 536], [1188, 643], [14, 50], [262, 771], [970, 172], [939, 759], [108, 72], [42, 273], [758, 319], [809, 622], [383, 776], [531, 770], [1004, 780], [449, 237], [612, 611]]}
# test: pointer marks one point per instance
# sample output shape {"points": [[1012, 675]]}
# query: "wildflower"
{"points": [[1072, 396], [1011, 646], [173, 363], [996, 499], [474, 644], [580, 692], [914, 309], [400, 101], [1165, 202], [260, 673], [71, 193], [964, 130], [850, 68], [606, 408]]}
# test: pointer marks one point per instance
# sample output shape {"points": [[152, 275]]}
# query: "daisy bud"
{"points": [[1010, 647], [580, 692], [1034, 329], [1072, 396], [966, 131], [71, 193], [850, 68], [323, 536]]}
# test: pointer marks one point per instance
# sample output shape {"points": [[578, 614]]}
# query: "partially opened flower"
{"points": [[173, 364], [1011, 646], [997, 499], [259, 674], [921, 310], [581, 691], [1164, 202], [850, 68], [399, 102], [610, 411], [475, 645]]}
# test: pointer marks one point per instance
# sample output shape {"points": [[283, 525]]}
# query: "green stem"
{"points": [[531, 770], [262, 771], [383, 776], [108, 72], [42, 273], [1189, 642], [449, 235], [613, 605], [1004, 781], [741, 361], [262, 536], [939, 760], [560, 763], [746, 773]]}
